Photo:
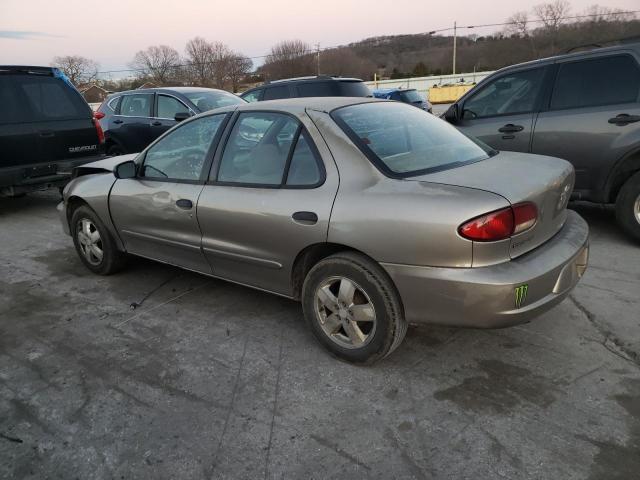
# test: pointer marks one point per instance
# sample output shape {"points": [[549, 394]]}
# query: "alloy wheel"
{"points": [[636, 209], [345, 312], [89, 241]]}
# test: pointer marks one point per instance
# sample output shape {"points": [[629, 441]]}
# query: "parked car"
{"points": [[583, 107], [46, 128], [406, 95], [318, 86], [133, 119], [306, 198]]}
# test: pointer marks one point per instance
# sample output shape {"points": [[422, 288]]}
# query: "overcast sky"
{"points": [[110, 32]]}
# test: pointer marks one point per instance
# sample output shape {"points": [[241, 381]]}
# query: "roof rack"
{"points": [[605, 43], [27, 69], [310, 77]]}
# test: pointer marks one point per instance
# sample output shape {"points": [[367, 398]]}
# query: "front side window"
{"points": [[601, 81], [405, 141], [207, 100], [510, 94], [169, 106], [180, 154], [253, 96], [138, 105], [270, 149]]}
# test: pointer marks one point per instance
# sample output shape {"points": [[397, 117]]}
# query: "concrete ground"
{"points": [[207, 379]]}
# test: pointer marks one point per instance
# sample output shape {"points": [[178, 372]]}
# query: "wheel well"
{"points": [[308, 257], [625, 169], [72, 205]]}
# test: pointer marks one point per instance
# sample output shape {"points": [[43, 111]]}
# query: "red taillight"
{"points": [[98, 115], [500, 224], [99, 131]]}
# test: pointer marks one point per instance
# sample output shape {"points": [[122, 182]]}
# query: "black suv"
{"points": [[46, 129], [583, 107], [319, 86], [133, 119]]}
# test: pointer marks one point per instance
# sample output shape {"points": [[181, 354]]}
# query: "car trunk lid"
{"points": [[546, 182]]}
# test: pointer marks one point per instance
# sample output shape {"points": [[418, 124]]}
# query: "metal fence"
{"points": [[423, 84]]}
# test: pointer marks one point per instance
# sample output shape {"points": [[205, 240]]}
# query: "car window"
{"points": [[303, 169], [353, 89], [51, 98], [11, 111], [181, 153], [209, 99], [253, 96], [601, 81], [169, 106], [274, 93], [137, 105], [258, 148], [113, 103], [403, 140], [317, 89], [513, 93]]}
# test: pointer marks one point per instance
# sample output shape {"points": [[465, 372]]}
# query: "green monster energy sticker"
{"points": [[521, 294]]}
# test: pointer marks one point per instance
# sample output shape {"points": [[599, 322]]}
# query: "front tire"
{"points": [[353, 308], [94, 244], [628, 207]]}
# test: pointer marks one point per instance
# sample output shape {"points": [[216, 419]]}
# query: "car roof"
{"points": [[580, 54], [391, 90], [299, 105], [27, 69]]}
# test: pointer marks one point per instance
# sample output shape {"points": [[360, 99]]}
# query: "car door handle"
{"points": [[307, 218], [47, 133], [118, 121], [184, 204], [511, 128], [156, 123], [624, 119]]}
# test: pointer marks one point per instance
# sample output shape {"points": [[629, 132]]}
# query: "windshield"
{"points": [[411, 96], [208, 100], [404, 141]]}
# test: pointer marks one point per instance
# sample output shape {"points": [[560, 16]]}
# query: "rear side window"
{"points": [[51, 98], [138, 105], [10, 109], [254, 96], [353, 89], [600, 81], [271, 150], [317, 89], [274, 93]]}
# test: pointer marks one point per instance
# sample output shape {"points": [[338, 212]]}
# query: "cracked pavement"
{"points": [[159, 373]]}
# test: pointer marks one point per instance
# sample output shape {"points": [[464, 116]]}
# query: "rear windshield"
{"points": [[411, 96], [354, 89], [404, 141], [205, 100], [51, 98]]}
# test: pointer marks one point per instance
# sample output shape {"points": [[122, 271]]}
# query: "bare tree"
{"points": [[160, 63], [598, 13], [200, 58], [289, 58], [518, 24], [80, 70], [239, 67], [552, 14]]}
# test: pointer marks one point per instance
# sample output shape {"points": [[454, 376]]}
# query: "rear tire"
{"points": [[628, 207], [94, 244], [352, 307]]}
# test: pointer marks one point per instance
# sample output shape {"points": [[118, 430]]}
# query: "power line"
{"points": [[432, 32]]}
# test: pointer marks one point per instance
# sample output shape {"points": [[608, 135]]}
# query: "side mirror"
{"points": [[452, 114], [180, 116], [126, 170]]}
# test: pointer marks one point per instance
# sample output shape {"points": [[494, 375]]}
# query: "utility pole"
{"points": [[318, 50], [455, 31]]}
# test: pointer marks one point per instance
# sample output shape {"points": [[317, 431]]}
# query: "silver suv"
{"points": [[583, 107]]}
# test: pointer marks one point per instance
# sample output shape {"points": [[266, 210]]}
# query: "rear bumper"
{"points": [[486, 297], [27, 178]]}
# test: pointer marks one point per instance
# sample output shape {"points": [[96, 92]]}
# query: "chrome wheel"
{"points": [[89, 241], [636, 209], [345, 312]]}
